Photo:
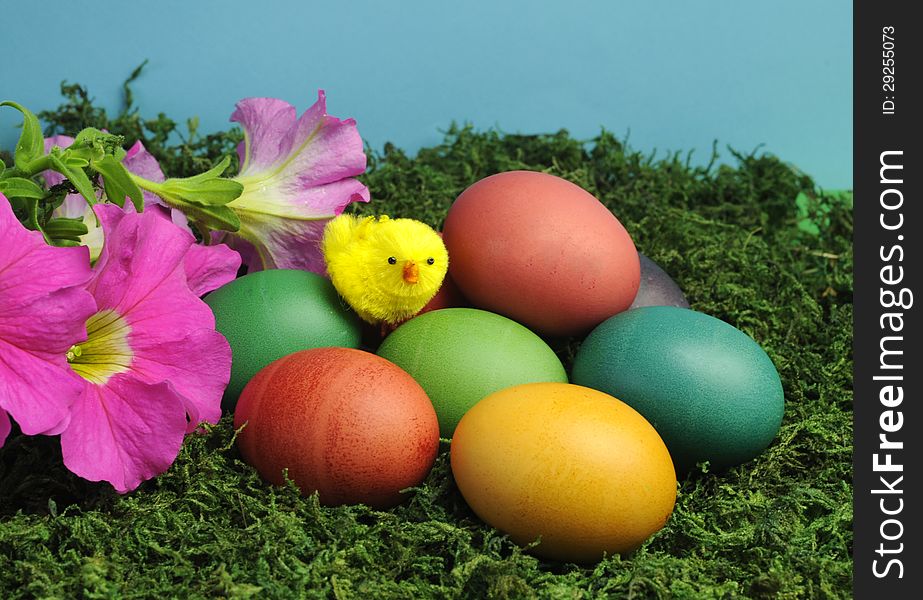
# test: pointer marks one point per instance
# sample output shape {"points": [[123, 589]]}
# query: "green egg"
{"points": [[708, 389], [461, 355], [270, 314]]}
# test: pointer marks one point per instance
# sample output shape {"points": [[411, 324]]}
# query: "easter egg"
{"points": [[460, 355], [710, 390], [448, 296], [541, 251], [268, 314], [657, 288], [345, 423], [575, 467]]}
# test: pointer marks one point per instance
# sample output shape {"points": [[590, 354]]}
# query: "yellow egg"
{"points": [[575, 467]]}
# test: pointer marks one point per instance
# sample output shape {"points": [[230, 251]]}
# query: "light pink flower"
{"points": [[43, 308], [152, 367], [297, 174]]}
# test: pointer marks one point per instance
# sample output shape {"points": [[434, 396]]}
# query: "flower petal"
{"points": [[324, 149], [288, 237], [248, 254], [36, 387], [210, 267], [315, 151], [267, 124], [296, 175], [5, 426], [284, 243], [43, 311], [124, 432], [142, 163], [53, 178], [198, 366], [142, 274]]}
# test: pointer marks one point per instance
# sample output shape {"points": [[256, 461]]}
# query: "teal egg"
{"points": [[708, 389], [270, 314], [461, 355]]}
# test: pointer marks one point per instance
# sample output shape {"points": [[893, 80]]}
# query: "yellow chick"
{"points": [[386, 269]]}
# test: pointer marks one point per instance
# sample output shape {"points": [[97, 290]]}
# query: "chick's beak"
{"points": [[411, 272]]}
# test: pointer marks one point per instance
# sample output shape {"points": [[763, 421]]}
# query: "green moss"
{"points": [[777, 527]]}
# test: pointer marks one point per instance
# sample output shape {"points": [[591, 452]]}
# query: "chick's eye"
{"points": [[430, 261], [392, 260]]}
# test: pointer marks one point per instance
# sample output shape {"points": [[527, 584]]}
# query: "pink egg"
{"points": [[542, 251]]}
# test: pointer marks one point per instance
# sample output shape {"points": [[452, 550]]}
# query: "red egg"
{"points": [[349, 424], [448, 296], [542, 251]]}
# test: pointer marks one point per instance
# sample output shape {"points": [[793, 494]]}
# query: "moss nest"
{"points": [[730, 233]]}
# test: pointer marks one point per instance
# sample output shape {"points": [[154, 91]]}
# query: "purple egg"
{"points": [[657, 288]]}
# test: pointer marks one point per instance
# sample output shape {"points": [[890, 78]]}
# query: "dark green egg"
{"points": [[708, 389], [270, 314]]}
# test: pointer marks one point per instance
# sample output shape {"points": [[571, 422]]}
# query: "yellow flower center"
{"points": [[106, 351]]}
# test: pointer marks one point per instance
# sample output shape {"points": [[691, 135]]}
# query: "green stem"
{"points": [[42, 163], [146, 184]]}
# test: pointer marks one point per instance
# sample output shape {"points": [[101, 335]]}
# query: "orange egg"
{"points": [[569, 465], [542, 251], [349, 424]]}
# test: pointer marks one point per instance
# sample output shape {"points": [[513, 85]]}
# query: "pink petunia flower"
{"points": [[43, 308], [297, 174], [152, 367]]}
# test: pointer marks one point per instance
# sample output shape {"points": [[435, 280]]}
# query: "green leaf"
{"points": [[29, 206], [65, 229], [31, 144], [77, 177], [212, 173], [20, 187], [214, 192], [118, 182], [75, 162], [214, 217], [201, 197], [88, 136], [64, 242], [204, 189]]}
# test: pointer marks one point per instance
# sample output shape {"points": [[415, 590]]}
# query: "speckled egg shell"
{"points": [[460, 355], [710, 391], [345, 423], [570, 465], [269, 314], [541, 251]]}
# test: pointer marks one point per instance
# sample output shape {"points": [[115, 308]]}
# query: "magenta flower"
{"points": [[43, 308], [297, 174], [152, 367]]}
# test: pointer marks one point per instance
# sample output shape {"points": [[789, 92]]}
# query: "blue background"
{"points": [[672, 75]]}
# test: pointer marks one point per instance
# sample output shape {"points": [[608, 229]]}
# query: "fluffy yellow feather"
{"points": [[386, 269]]}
